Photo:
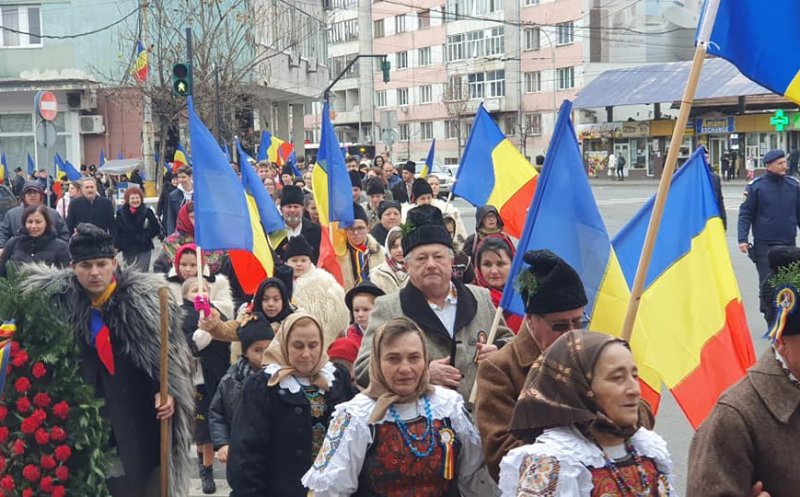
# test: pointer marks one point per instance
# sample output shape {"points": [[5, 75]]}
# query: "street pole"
{"points": [[148, 138], [189, 60]]}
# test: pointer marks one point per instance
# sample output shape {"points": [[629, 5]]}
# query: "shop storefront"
{"points": [[629, 139]]}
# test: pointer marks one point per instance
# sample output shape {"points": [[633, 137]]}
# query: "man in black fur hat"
{"points": [[403, 192], [455, 318], [115, 314], [292, 201]]}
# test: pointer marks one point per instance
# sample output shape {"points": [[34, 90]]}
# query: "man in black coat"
{"points": [[91, 208], [292, 210], [403, 192]]}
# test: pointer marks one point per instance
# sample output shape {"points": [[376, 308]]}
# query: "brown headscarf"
{"points": [[379, 389], [557, 391], [278, 352]]}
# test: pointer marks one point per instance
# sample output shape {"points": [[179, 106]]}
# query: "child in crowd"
{"points": [[212, 358], [360, 301], [343, 351]]}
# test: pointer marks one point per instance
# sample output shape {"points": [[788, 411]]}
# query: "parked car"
{"points": [[7, 201]]}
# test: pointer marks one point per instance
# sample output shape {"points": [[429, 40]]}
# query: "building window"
{"points": [[495, 44], [377, 29], [496, 83], [475, 83], [337, 65], [451, 129], [425, 94], [400, 24], [453, 9], [510, 125], [495, 5], [28, 20], [532, 39], [424, 19], [401, 60], [455, 47], [343, 31], [534, 124], [426, 130], [403, 132], [424, 56], [402, 96], [474, 44], [380, 99], [531, 2], [566, 78], [565, 33], [309, 135], [455, 91], [533, 82]]}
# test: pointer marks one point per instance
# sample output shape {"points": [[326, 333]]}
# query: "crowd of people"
{"points": [[382, 382]]}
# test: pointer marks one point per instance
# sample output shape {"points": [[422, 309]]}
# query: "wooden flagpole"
{"points": [[163, 298], [490, 340], [669, 169]]}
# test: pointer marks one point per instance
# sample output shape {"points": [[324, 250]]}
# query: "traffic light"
{"points": [[385, 66], [182, 79]]}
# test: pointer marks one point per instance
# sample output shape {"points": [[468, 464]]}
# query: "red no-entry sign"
{"points": [[46, 105]]}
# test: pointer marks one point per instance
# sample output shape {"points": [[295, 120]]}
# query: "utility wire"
{"points": [[72, 36]]}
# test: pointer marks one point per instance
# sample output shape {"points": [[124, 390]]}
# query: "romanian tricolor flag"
{"points": [[691, 311], [565, 219], [7, 330], [333, 196], [3, 167], [493, 172], [277, 151], [223, 219], [428, 167], [180, 158], [760, 38], [252, 267], [141, 65]]}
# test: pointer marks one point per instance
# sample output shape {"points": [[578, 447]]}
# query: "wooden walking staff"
{"points": [[498, 314], [666, 177], [163, 298]]}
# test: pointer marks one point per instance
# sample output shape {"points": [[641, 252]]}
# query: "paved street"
{"points": [[618, 202]]}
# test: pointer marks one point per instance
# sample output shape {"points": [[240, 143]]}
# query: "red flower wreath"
{"points": [[61, 410], [31, 472], [38, 370]]}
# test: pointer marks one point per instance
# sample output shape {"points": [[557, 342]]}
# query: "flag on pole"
{"points": [[767, 56], [180, 158], [141, 65], [66, 167], [333, 195], [428, 167], [31, 166], [3, 168], [102, 158], [273, 149], [700, 342], [493, 172], [222, 214]]}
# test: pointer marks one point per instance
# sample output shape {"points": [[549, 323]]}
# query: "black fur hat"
{"points": [[421, 187], [375, 187], [355, 178], [424, 225], [298, 245], [91, 242], [550, 284], [292, 195]]}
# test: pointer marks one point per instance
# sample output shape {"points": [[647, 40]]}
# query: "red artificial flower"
{"points": [[2, 464], [22, 385], [39, 415], [63, 452], [47, 462], [7, 483], [46, 484], [14, 348], [29, 425], [58, 491], [42, 400], [28, 492], [3, 434], [31, 472], [23, 405], [20, 359], [18, 448], [38, 370], [62, 473], [3, 413], [58, 434], [42, 437], [61, 409]]}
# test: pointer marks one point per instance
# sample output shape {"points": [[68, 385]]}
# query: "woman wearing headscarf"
{"points": [[492, 267], [183, 234], [284, 412], [391, 276], [401, 436], [487, 222], [581, 404]]}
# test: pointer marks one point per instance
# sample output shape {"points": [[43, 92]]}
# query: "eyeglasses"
{"points": [[565, 326], [357, 229]]}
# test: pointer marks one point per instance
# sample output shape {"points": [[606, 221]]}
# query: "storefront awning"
{"points": [[664, 83]]}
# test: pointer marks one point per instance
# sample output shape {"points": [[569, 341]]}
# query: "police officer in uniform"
{"points": [[772, 208]]}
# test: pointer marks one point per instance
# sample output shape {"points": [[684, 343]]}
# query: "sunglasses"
{"points": [[565, 326]]}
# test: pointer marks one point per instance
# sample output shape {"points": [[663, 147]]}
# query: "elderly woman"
{"points": [[401, 436], [581, 402], [284, 412]]}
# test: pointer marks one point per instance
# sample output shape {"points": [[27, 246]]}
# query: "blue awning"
{"points": [[664, 83]]}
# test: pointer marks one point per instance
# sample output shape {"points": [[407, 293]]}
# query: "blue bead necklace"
{"points": [[409, 438]]}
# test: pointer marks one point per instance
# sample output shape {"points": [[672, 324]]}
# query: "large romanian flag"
{"points": [[333, 196], [493, 172], [223, 215], [277, 151], [691, 310], [141, 65], [565, 219], [761, 38]]}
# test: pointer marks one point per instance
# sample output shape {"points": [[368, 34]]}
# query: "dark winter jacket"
{"points": [[134, 232], [214, 358], [226, 402], [312, 232], [24, 249], [99, 212], [270, 447], [12, 224]]}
